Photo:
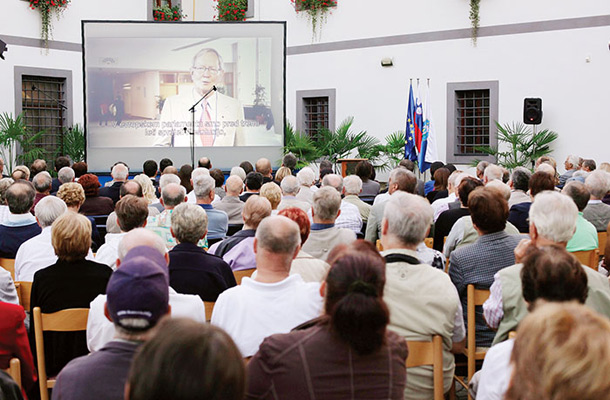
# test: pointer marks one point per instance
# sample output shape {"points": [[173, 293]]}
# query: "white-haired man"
{"points": [[274, 301], [451, 201], [519, 185], [218, 221], [119, 174], [596, 212], [231, 204], [552, 220], [307, 179], [199, 171], [421, 299], [352, 187], [571, 166], [324, 234], [290, 189], [38, 253], [100, 330], [164, 180], [492, 172]]}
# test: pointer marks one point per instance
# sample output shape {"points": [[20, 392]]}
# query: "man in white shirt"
{"points": [[350, 215], [441, 205], [274, 301], [99, 329], [290, 190], [38, 253], [131, 213]]}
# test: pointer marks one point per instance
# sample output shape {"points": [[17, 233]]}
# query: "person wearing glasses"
{"points": [[218, 118]]}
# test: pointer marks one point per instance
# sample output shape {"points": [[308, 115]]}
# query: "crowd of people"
{"points": [[342, 279]]}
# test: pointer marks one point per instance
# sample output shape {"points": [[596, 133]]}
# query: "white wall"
{"points": [[549, 64]]}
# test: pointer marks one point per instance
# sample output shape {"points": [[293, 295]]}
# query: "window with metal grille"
{"points": [[472, 125], [316, 114], [43, 107], [472, 109]]}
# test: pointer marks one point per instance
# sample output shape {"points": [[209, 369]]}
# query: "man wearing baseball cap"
{"points": [[137, 298]]}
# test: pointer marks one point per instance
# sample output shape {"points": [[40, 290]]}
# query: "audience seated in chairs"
{"points": [[172, 195], [165, 180], [549, 274], [306, 179], [422, 300], [187, 349], [553, 219], [191, 269], [334, 355], [364, 170], [138, 242], [324, 234], [38, 252], [5, 183], [519, 213], [585, 237], [519, 185], [119, 174], [272, 192], [238, 250], [20, 224], [352, 187], [137, 298], [134, 188], [253, 183], [94, 203], [72, 282], [273, 302], [42, 184], [596, 212], [477, 263], [452, 201], [59, 163], [349, 217], [231, 204]]}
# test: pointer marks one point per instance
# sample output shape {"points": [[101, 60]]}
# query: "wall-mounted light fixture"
{"points": [[387, 62]]}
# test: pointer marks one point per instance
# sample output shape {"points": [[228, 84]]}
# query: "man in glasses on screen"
{"points": [[218, 118]]}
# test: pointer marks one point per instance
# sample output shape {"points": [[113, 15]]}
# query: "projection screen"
{"points": [[141, 79]]}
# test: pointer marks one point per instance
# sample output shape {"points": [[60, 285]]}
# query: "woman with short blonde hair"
{"points": [[273, 193], [71, 236], [72, 194], [148, 190], [562, 352]]}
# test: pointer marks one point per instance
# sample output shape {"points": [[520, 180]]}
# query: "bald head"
{"points": [[278, 235], [263, 166], [205, 162], [131, 187], [172, 195], [234, 185], [140, 237], [255, 210], [333, 180]]}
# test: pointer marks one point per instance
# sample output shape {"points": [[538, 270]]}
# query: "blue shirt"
{"points": [[428, 187], [218, 222]]}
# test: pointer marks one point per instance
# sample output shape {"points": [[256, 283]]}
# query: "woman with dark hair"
{"points": [[185, 177], [346, 351], [94, 203], [441, 179], [366, 172], [187, 360]]}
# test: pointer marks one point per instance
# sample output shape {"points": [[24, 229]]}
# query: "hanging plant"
{"points": [[316, 11], [231, 10], [46, 8], [167, 13], [474, 20]]}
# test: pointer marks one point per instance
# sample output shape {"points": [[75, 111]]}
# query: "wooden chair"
{"points": [[602, 237], [9, 265], [428, 353], [475, 297], [14, 370], [589, 258], [209, 308], [378, 245], [24, 291], [239, 275], [429, 242], [69, 320]]}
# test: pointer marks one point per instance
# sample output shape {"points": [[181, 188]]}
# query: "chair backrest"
{"points": [[602, 237], [24, 291], [589, 258], [429, 242], [69, 320], [14, 370], [239, 275], [475, 297], [429, 353], [379, 245], [209, 308], [234, 228], [9, 265]]}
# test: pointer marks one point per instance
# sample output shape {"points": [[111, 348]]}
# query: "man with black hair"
{"points": [[254, 181], [150, 169], [20, 224]]}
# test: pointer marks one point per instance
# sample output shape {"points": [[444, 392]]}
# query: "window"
{"points": [[43, 109], [315, 110], [472, 110]]}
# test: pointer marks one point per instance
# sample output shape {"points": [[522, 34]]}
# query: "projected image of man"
{"points": [[218, 118]]}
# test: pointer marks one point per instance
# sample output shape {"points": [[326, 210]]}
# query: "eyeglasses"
{"points": [[203, 69]]}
